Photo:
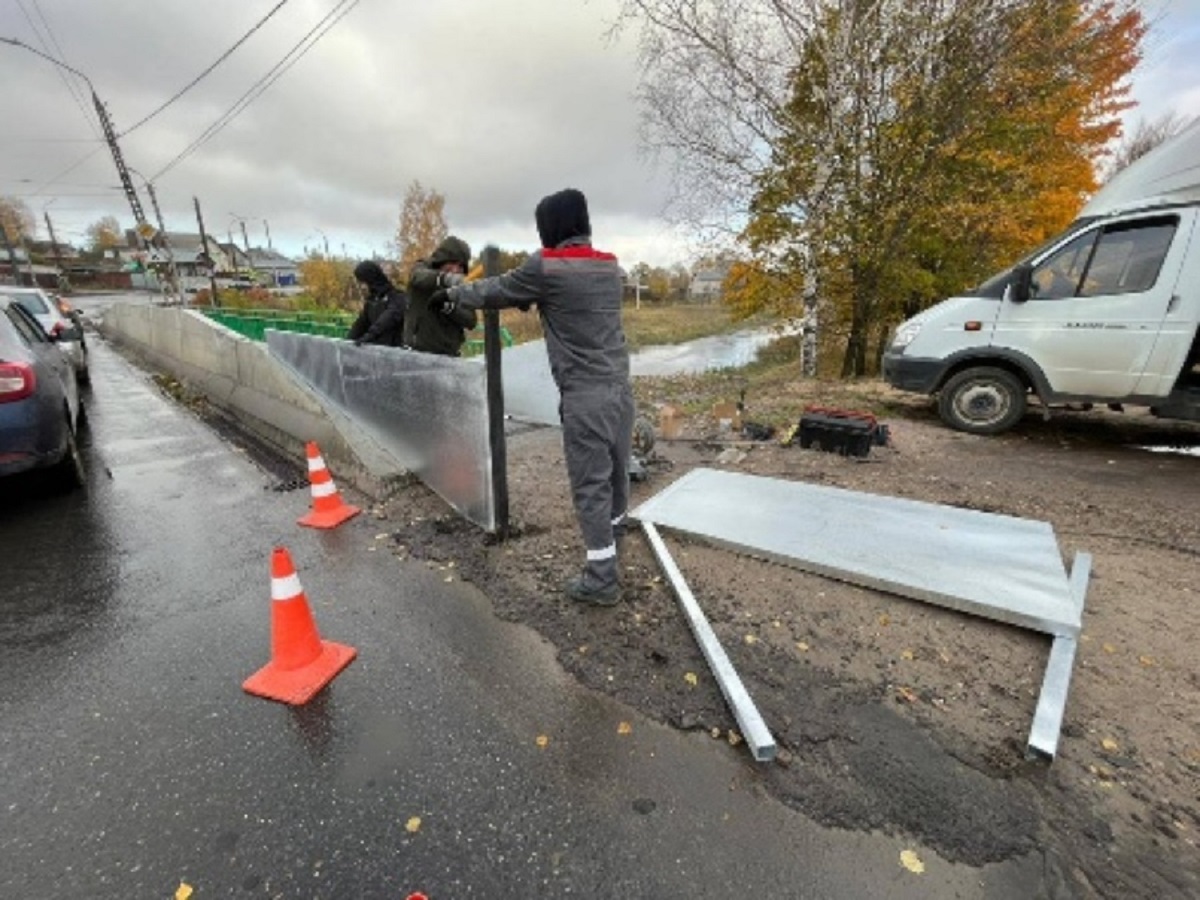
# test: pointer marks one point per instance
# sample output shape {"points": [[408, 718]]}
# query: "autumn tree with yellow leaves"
{"points": [[871, 156], [421, 228]]}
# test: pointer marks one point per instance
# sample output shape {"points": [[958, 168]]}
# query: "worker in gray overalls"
{"points": [[578, 292]]}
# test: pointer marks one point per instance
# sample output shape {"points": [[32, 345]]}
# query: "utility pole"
{"points": [[245, 240], [267, 226], [212, 272], [172, 272], [110, 135], [54, 244], [12, 255]]}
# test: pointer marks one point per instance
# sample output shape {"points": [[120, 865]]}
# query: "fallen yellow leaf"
{"points": [[1146, 660], [690, 678], [413, 825], [885, 620], [801, 646], [1109, 648], [624, 728], [1110, 745], [912, 862], [183, 891], [751, 639], [906, 694], [907, 654], [734, 738], [542, 741]]}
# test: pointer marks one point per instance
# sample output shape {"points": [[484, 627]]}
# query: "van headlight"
{"points": [[905, 334]]}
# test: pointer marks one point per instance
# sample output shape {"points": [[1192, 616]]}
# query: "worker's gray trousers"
{"points": [[597, 426]]}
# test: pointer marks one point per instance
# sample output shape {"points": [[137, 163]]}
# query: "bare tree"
{"points": [[1146, 136]]}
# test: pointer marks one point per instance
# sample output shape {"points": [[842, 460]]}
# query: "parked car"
{"points": [[40, 407], [64, 328]]}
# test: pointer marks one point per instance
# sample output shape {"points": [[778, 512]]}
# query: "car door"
{"points": [[1098, 303], [50, 361]]}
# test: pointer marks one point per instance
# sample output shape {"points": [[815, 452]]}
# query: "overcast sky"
{"points": [[494, 103]]}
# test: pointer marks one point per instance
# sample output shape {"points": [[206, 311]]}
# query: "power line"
{"points": [[220, 59], [71, 88], [273, 74]]}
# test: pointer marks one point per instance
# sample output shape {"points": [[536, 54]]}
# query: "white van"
{"points": [[1106, 312]]}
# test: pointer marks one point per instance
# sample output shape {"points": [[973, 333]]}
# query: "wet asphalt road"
{"points": [[131, 760]]}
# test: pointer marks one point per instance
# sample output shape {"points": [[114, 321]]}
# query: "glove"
{"points": [[444, 303], [450, 279]]}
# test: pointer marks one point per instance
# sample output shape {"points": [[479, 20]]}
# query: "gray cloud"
{"points": [[492, 102]]}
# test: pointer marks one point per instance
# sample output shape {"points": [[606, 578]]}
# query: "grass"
{"points": [[773, 391]]}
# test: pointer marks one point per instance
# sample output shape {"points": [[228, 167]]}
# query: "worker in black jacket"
{"points": [[426, 327], [381, 320], [578, 293]]}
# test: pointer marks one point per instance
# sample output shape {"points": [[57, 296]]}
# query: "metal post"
{"points": [[212, 272], [267, 227], [495, 399]]}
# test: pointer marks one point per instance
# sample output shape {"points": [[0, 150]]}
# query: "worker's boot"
{"points": [[597, 585]]}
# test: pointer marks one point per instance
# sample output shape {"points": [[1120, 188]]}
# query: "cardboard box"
{"points": [[670, 422], [728, 416]]}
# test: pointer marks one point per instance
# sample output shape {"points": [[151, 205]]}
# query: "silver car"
{"points": [[66, 331]]}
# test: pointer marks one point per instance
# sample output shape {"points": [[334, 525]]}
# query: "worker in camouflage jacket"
{"points": [[578, 291], [381, 320], [426, 326]]}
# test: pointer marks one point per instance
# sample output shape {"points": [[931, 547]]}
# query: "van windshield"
{"points": [[994, 286]]}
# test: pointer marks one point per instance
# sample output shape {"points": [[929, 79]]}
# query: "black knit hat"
{"points": [[369, 273], [562, 216]]}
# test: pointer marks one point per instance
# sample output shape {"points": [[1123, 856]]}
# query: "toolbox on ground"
{"points": [[842, 431]]}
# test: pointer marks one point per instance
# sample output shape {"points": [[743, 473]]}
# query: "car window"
{"points": [[10, 338], [32, 302], [26, 325], [1124, 258], [1059, 275], [1128, 258]]}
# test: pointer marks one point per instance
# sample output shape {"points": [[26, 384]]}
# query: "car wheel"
{"points": [[985, 400], [69, 472], [84, 373]]}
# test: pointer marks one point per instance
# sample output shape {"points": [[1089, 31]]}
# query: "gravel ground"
{"points": [[891, 714]]}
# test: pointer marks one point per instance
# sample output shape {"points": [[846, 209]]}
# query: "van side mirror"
{"points": [[1020, 286]]}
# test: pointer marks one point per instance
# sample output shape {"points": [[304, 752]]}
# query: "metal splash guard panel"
{"points": [[428, 411], [998, 567]]}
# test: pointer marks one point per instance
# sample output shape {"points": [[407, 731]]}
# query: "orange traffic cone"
{"points": [[301, 663], [328, 510]]}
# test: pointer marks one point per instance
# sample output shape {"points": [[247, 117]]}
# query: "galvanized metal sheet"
{"points": [[1056, 681], [999, 567], [754, 730], [427, 411], [530, 393]]}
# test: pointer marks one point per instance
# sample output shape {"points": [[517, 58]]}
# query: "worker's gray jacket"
{"points": [[578, 293]]}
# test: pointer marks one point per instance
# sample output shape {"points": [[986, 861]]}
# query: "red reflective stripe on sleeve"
{"points": [[577, 253]]}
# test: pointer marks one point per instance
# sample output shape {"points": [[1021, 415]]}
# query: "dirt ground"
{"points": [[891, 714]]}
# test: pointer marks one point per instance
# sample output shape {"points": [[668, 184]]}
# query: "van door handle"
{"points": [[1172, 303]]}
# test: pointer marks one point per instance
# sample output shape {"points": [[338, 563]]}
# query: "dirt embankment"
{"points": [[893, 714]]}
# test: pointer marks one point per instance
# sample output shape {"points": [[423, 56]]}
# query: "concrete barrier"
{"points": [[241, 379]]}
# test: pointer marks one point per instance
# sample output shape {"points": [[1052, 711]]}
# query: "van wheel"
{"points": [[985, 400]]}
